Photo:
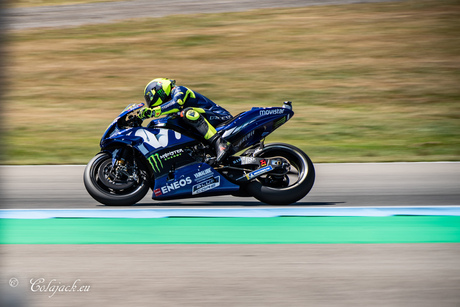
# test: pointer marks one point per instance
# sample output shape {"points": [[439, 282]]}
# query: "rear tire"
{"points": [[112, 192], [287, 189]]}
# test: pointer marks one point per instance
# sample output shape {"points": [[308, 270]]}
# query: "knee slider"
{"points": [[191, 114]]}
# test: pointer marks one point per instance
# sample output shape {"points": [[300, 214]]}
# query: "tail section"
{"points": [[250, 127]]}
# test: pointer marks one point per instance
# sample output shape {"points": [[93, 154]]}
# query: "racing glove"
{"points": [[133, 121], [150, 112]]}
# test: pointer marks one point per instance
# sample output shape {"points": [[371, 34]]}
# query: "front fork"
{"points": [[124, 165]]}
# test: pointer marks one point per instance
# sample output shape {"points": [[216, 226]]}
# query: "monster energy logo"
{"points": [[156, 163], [172, 154], [279, 122]]}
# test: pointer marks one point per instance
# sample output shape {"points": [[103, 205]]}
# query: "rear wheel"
{"points": [[286, 187], [115, 184]]}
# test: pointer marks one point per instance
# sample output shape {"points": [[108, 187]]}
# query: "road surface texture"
{"points": [[354, 184], [418, 275]]}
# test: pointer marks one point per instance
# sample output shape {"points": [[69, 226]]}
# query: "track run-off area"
{"points": [[350, 203], [382, 234]]}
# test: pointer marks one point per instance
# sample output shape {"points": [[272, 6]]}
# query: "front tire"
{"points": [[285, 189], [104, 188]]}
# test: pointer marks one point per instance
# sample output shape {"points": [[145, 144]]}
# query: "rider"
{"points": [[164, 97]]}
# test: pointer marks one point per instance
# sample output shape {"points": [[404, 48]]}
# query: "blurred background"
{"points": [[369, 82]]}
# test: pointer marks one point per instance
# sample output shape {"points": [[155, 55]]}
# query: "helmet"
{"points": [[158, 91]]}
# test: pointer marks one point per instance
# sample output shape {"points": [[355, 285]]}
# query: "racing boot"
{"points": [[221, 146]]}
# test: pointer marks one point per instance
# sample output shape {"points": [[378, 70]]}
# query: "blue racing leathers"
{"points": [[183, 97]]}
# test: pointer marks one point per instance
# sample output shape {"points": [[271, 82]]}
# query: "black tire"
{"points": [[287, 190], [112, 193]]}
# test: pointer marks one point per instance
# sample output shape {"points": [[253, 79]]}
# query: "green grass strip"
{"points": [[278, 230]]}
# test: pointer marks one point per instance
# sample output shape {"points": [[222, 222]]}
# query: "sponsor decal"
{"points": [[226, 117], [206, 185], [133, 106], [244, 160], [248, 160], [263, 162], [206, 173], [156, 161], [172, 154], [158, 140], [205, 181], [176, 185], [157, 192], [279, 122], [259, 172], [271, 112]]}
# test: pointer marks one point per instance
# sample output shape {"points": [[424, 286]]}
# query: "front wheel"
{"points": [[114, 185], [284, 189]]}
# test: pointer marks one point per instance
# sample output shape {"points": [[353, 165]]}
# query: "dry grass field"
{"points": [[369, 82]]}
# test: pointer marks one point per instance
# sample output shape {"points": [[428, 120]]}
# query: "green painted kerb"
{"points": [[278, 230]]}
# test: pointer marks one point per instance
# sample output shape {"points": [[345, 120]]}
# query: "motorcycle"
{"points": [[176, 162]]}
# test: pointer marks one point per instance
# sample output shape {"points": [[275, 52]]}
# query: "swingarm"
{"points": [[244, 169]]}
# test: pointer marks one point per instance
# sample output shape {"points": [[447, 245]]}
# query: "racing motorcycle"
{"points": [[176, 162]]}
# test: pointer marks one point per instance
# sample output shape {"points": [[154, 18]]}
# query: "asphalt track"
{"points": [[337, 185], [390, 275]]}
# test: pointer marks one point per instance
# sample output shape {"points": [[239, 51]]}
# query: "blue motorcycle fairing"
{"points": [[197, 179], [250, 127], [175, 123], [162, 148], [113, 128]]}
